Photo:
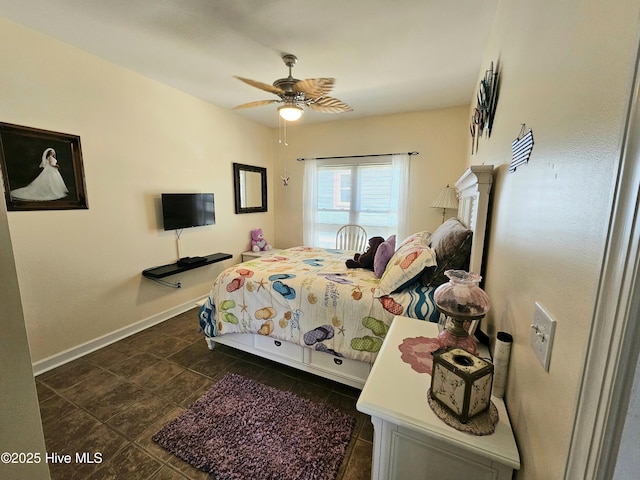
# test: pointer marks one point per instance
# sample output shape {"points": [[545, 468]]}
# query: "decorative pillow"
{"points": [[384, 253], [407, 264], [452, 245], [418, 302]]}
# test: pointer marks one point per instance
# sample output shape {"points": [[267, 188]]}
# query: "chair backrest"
{"points": [[351, 237]]}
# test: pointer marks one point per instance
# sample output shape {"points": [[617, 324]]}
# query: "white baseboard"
{"points": [[71, 354]]}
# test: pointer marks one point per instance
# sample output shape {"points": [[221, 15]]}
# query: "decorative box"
{"points": [[461, 382]]}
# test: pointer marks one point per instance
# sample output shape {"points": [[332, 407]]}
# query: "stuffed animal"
{"points": [[383, 255], [365, 260], [258, 242]]}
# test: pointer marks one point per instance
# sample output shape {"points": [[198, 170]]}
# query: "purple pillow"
{"points": [[384, 253]]}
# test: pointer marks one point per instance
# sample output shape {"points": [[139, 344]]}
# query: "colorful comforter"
{"points": [[307, 296]]}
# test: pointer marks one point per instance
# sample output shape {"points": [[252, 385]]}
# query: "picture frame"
{"points": [[41, 169]]}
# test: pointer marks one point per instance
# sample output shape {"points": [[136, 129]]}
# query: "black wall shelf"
{"points": [[173, 268]]}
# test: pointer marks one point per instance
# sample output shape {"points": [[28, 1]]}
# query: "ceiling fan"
{"points": [[295, 94]]}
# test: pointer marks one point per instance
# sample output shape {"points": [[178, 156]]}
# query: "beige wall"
{"points": [[439, 136], [80, 270], [566, 71]]}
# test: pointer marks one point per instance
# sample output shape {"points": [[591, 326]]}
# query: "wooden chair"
{"points": [[351, 237]]}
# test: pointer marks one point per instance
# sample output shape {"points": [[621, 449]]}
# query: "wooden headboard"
{"points": [[473, 189]]}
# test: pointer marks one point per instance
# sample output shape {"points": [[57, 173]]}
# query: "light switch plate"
{"points": [[542, 332]]}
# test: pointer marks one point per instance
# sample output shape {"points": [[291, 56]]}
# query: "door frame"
{"points": [[614, 342]]}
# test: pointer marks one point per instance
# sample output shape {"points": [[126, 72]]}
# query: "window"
{"points": [[368, 191], [341, 188]]}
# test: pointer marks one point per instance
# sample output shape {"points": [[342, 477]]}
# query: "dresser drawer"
{"points": [[279, 347], [239, 338], [344, 367]]}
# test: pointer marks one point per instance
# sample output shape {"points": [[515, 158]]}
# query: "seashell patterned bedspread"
{"points": [[308, 296]]}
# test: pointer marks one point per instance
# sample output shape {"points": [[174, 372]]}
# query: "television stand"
{"points": [[184, 264]]}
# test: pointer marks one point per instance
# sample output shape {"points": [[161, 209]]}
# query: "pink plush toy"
{"points": [[258, 242]]}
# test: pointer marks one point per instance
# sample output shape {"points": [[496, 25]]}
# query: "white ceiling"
{"points": [[388, 56]]}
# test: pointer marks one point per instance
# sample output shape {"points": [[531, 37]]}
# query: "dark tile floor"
{"points": [[108, 404]]}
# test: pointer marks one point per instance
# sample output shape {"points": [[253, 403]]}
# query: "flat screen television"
{"points": [[185, 210]]}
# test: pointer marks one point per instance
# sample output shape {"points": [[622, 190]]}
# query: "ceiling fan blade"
{"points": [[330, 105], [258, 103], [262, 86], [314, 87]]}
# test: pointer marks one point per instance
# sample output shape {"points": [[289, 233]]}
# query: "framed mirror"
{"points": [[250, 184]]}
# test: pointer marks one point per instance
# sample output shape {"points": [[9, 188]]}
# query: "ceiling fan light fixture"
{"points": [[311, 92], [290, 112]]}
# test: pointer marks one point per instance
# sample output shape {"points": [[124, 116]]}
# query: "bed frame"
{"points": [[474, 187]]}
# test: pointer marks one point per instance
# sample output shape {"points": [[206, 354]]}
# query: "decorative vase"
{"points": [[462, 301]]}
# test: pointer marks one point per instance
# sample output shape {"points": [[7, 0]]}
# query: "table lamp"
{"points": [[447, 198]]}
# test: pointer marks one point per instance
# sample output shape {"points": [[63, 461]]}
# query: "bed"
{"points": [[304, 308]]}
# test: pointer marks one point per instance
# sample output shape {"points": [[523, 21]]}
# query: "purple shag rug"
{"points": [[244, 430]]}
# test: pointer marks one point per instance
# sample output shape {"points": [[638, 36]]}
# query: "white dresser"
{"points": [[410, 441]]}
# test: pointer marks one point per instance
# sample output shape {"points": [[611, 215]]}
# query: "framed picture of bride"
{"points": [[41, 170]]}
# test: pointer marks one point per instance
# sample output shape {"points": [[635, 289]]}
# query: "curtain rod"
{"points": [[359, 156]]}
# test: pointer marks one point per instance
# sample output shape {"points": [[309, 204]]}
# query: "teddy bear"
{"points": [[365, 260], [258, 242]]}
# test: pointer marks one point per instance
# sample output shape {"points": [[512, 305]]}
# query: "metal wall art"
{"points": [[483, 114]]}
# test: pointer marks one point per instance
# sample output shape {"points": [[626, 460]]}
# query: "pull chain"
{"points": [[282, 140]]}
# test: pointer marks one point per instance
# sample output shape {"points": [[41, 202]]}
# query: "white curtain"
{"points": [[312, 231], [310, 203], [400, 164]]}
